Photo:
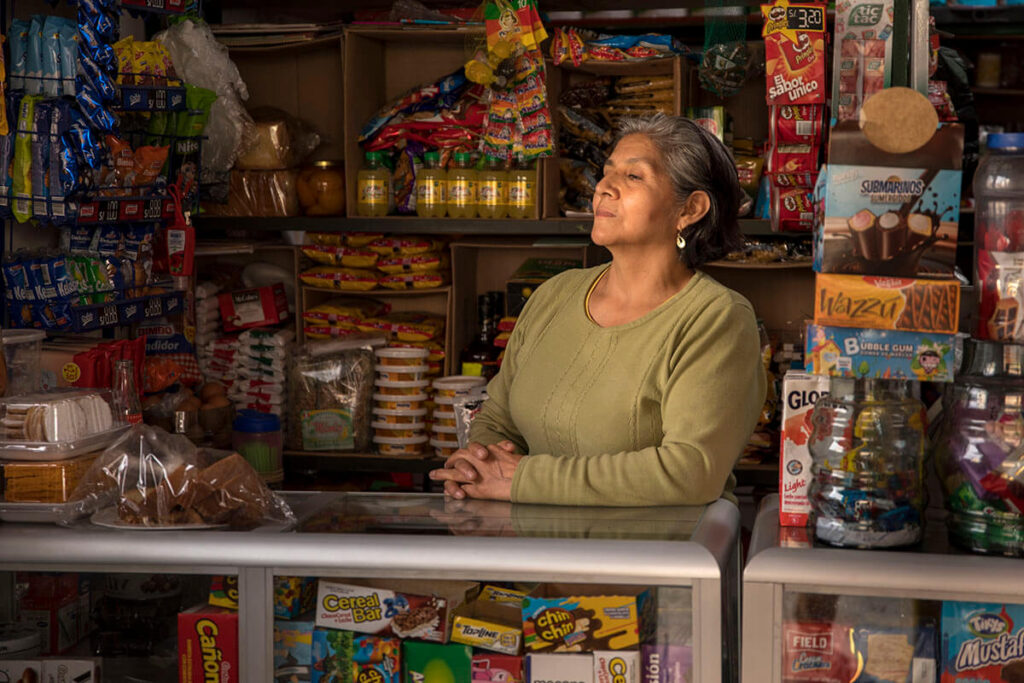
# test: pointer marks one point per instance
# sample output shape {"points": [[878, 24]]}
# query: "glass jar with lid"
{"points": [[868, 446], [979, 449], [321, 189]]}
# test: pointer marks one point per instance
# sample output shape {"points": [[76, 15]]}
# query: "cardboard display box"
{"points": [[342, 656], [666, 663], [435, 663], [887, 303], [887, 214], [800, 391], [497, 669], [293, 595], [422, 610], [489, 625], [543, 668], [886, 354], [208, 645], [616, 666], [583, 619]]}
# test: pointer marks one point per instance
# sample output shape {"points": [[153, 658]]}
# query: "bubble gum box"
{"points": [[886, 354], [560, 619], [982, 643], [422, 610], [800, 391]]}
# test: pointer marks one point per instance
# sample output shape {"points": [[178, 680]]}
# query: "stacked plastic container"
{"points": [[444, 435], [400, 401]]}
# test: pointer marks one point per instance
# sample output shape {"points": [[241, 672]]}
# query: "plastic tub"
{"points": [[444, 418], [441, 430], [405, 446], [401, 388], [399, 417], [393, 431], [401, 356], [407, 402], [22, 353], [401, 373], [457, 385], [443, 449], [257, 437]]}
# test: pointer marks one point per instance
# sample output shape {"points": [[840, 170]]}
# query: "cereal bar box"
{"points": [[800, 391], [421, 610], [887, 354], [616, 666], [982, 642], [887, 303]]}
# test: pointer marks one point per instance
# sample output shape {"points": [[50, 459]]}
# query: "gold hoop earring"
{"points": [[680, 240]]}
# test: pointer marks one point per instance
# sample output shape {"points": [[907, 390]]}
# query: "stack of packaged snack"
{"points": [[795, 79], [400, 430], [361, 262], [443, 427], [208, 321], [260, 370]]}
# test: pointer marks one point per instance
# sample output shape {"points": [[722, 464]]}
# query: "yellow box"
{"points": [[584, 619], [504, 595], [489, 625]]}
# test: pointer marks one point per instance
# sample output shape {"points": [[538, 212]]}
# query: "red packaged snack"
{"points": [[792, 209], [793, 159], [822, 653], [795, 179], [247, 308], [796, 124], [794, 52], [208, 645]]}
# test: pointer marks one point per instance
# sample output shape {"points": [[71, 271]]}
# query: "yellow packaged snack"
{"points": [[361, 239], [343, 312], [350, 279], [414, 280], [419, 263], [329, 331], [408, 326], [125, 65], [326, 239], [404, 246], [340, 256]]}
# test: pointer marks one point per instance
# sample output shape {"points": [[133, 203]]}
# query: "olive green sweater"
{"points": [[653, 412]]}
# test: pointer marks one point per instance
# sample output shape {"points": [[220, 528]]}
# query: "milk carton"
{"points": [[800, 391]]}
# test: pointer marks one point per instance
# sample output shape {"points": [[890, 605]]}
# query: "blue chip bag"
{"points": [[96, 47], [111, 241], [91, 104], [982, 642], [17, 278], [92, 15], [61, 177], [83, 141], [41, 273], [18, 67], [95, 77], [34, 56], [50, 57], [63, 279]]}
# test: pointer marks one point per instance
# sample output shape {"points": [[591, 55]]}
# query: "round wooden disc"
{"points": [[898, 120]]}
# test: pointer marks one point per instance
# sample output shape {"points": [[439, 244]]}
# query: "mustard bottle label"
{"points": [[460, 192], [521, 194], [430, 191], [490, 193], [373, 191]]}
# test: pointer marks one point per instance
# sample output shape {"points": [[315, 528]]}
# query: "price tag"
{"points": [[806, 18]]}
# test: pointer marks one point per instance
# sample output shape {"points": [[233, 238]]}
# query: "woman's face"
{"points": [[634, 204]]}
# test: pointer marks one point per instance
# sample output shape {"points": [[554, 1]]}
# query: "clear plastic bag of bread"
{"points": [[155, 479], [280, 141]]}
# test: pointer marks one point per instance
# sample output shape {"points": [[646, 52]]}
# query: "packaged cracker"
{"points": [[341, 256], [982, 642], [414, 280], [330, 331], [816, 652], [896, 655], [352, 279]]}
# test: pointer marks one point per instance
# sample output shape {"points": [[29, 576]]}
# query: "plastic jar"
{"points": [[401, 356], [407, 402], [443, 449], [444, 418], [402, 446], [399, 417], [22, 354], [257, 437], [999, 238], [19, 642], [982, 429], [457, 385], [401, 373], [401, 388], [867, 447], [321, 189], [393, 431]]}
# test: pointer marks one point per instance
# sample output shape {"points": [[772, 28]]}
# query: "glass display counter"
{"points": [[687, 556]]}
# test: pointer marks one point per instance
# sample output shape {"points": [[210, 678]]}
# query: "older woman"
{"points": [[636, 382]]}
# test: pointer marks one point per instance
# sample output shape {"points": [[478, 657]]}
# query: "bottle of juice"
{"points": [[462, 188], [522, 190], [430, 187], [374, 187], [493, 193]]}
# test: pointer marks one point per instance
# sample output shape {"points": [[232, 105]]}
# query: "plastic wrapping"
{"points": [[279, 141], [153, 479], [259, 194], [330, 390], [465, 409], [56, 426], [200, 60]]}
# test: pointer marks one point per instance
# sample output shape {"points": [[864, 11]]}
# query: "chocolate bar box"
{"points": [[887, 214]]}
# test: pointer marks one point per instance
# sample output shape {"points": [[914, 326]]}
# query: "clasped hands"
{"points": [[479, 471]]}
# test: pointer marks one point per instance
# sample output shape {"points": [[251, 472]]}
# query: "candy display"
{"points": [[978, 450], [885, 354], [577, 46], [887, 303], [868, 443], [862, 58]]}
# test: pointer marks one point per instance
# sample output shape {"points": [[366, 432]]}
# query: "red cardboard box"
{"points": [[208, 645], [51, 604], [247, 308]]}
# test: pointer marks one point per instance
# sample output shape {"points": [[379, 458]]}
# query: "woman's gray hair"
{"points": [[695, 160]]}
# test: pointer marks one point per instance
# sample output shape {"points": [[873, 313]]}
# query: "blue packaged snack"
{"points": [[982, 642], [82, 140], [18, 67], [68, 37], [91, 104], [897, 655], [96, 47], [61, 177], [80, 239], [40, 150], [51, 60], [95, 77], [138, 239], [41, 273], [111, 241], [91, 14], [115, 269], [17, 279], [34, 56]]}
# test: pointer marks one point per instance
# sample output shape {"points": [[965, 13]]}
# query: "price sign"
{"points": [[805, 18]]}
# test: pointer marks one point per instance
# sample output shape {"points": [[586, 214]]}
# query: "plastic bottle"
{"points": [[522, 190], [999, 236], [374, 187], [493, 192], [431, 184], [462, 188]]}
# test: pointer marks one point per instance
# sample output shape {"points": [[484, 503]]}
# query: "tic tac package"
{"points": [[862, 61], [794, 52], [982, 642]]}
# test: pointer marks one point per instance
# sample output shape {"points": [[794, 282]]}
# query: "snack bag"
{"points": [[794, 52]]}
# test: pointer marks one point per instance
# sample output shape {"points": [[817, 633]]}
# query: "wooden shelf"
{"points": [[383, 291], [760, 266], [1013, 92]]}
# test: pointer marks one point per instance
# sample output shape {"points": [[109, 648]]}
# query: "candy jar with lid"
{"points": [[979, 449], [867, 476]]}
